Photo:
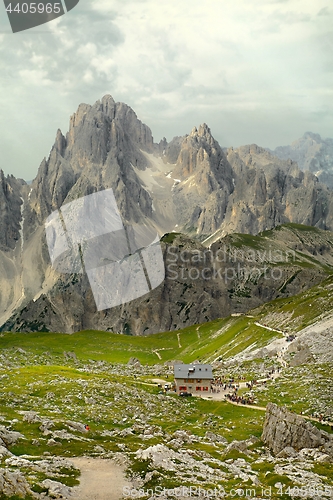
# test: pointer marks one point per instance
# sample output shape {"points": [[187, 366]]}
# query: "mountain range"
{"points": [[312, 153], [190, 190]]}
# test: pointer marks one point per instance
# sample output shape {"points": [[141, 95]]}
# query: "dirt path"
{"points": [[157, 353], [269, 328], [100, 479], [262, 408], [178, 337], [253, 407]]}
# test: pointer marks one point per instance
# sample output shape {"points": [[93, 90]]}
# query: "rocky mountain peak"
{"points": [[79, 116], [313, 136], [199, 150], [102, 145], [10, 210], [204, 130], [201, 131], [60, 142], [188, 185], [107, 104]]}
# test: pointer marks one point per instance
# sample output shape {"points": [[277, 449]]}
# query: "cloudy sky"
{"points": [[256, 71]]}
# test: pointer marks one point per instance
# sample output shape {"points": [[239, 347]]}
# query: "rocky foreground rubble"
{"points": [[181, 457], [13, 482]]}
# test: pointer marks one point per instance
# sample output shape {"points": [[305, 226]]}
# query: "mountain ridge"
{"points": [[235, 274], [312, 153]]}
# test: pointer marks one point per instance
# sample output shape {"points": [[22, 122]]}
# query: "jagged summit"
{"points": [[188, 181], [312, 153], [312, 135], [107, 103], [203, 130]]}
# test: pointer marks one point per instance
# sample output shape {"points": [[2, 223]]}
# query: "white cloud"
{"points": [[35, 77], [87, 50]]}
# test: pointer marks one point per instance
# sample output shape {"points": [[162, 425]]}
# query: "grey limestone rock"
{"points": [[10, 210], [287, 452], [31, 417], [45, 427], [312, 153], [284, 429], [4, 452], [13, 484], [211, 436], [56, 489], [76, 426], [9, 437]]}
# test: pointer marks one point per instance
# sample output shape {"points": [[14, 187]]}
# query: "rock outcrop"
{"points": [[56, 489], [269, 192], [7, 437], [10, 210], [14, 484], [236, 274], [284, 430]]}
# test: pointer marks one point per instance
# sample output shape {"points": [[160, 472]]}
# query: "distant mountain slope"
{"points": [[308, 314], [237, 273], [312, 153]]}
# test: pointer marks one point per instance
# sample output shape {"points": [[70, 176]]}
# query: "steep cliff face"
{"points": [[269, 191], [10, 211], [189, 185], [237, 273], [99, 151], [202, 160], [204, 183]]}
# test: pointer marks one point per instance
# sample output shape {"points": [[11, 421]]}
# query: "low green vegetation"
{"points": [[222, 338]]}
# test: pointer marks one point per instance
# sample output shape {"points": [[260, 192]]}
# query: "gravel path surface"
{"points": [[100, 479]]}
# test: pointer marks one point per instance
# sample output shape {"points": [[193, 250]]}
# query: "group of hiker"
{"points": [[222, 387], [230, 388], [219, 385], [249, 400]]}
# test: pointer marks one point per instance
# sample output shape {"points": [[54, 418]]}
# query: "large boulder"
{"points": [[31, 417], [9, 437], [283, 429], [56, 489], [13, 484], [4, 452]]}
